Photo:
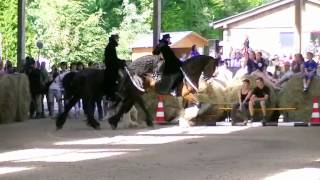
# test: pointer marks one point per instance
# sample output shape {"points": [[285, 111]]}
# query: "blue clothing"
{"points": [[251, 66], [194, 53], [310, 65]]}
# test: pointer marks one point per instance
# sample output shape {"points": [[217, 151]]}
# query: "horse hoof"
{"points": [[150, 124], [95, 126], [58, 128], [113, 127]]}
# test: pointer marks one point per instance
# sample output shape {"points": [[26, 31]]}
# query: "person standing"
{"points": [[36, 88], [194, 51]]}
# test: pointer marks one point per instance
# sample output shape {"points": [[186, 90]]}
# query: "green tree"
{"points": [[68, 31]]}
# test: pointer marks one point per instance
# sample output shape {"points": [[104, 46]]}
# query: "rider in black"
{"points": [[172, 74], [113, 65]]}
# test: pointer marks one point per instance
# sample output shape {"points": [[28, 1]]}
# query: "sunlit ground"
{"points": [[196, 130], [7, 170], [61, 155], [128, 140], [297, 174]]}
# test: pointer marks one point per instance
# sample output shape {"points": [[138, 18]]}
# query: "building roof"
{"points": [[223, 23], [176, 37]]}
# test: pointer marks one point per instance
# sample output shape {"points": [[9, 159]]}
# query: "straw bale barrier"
{"points": [[292, 95], [14, 98]]}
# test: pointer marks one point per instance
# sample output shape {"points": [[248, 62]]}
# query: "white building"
{"points": [[280, 27]]}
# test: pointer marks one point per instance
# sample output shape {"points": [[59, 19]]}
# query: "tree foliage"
{"points": [[77, 30]]}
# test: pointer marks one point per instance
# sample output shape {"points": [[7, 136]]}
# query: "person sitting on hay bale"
{"points": [[310, 68], [295, 68], [244, 95], [260, 95]]}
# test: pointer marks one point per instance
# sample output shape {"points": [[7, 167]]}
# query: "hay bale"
{"points": [[292, 95], [23, 97], [14, 98], [172, 106], [7, 99], [214, 93]]}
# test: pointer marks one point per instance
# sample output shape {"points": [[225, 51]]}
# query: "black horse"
{"points": [[192, 68], [88, 85]]}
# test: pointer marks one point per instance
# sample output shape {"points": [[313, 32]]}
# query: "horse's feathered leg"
{"points": [[140, 102], [61, 119], [90, 113], [125, 106]]}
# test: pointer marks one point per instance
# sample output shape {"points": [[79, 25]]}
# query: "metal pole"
{"points": [[298, 24], [156, 21], [21, 33]]}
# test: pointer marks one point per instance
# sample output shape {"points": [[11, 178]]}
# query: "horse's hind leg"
{"points": [[124, 108], [140, 102], [90, 113], [61, 119]]}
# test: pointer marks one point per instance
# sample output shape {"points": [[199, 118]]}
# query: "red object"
{"points": [[315, 117], [160, 119]]}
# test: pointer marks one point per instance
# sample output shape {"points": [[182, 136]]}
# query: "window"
{"points": [[286, 39]]}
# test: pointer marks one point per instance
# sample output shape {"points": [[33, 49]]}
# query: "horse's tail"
{"points": [[67, 83]]}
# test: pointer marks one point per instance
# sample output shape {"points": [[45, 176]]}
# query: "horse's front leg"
{"points": [[150, 82], [188, 94], [61, 119]]}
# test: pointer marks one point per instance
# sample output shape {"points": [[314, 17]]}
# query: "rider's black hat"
{"points": [[165, 36]]}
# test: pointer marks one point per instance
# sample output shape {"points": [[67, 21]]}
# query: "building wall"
{"points": [[179, 52], [181, 48], [266, 30]]}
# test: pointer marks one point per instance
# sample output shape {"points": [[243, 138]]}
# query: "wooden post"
{"points": [[156, 21], [21, 33], [298, 24]]}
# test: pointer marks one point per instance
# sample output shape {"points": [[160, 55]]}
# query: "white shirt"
{"points": [[57, 82]]}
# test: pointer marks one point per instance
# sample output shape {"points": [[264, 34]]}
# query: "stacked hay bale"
{"points": [[292, 95], [14, 98], [172, 106]]}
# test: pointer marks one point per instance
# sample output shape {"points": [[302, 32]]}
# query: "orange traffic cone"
{"points": [[315, 117], [160, 119]]}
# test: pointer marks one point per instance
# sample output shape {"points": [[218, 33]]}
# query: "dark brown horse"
{"points": [[192, 68]]}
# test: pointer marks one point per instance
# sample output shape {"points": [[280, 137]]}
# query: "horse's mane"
{"points": [[144, 64]]}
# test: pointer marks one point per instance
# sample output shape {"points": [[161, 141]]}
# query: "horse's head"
{"points": [[198, 65], [158, 49], [210, 67]]}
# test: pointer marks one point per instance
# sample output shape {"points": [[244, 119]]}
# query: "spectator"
{"points": [[251, 63], [54, 73], [310, 67], [45, 81], [80, 66], [63, 66], [36, 88], [260, 62], [91, 65], [296, 68], [55, 93], [297, 65], [73, 67], [194, 51], [244, 95], [1, 67], [8, 68], [260, 95]]}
